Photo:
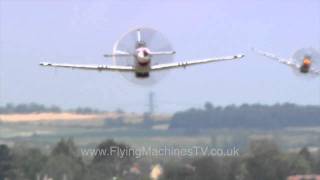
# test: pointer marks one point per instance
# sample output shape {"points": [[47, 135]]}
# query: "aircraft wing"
{"points": [[89, 67], [314, 71], [274, 57], [193, 62]]}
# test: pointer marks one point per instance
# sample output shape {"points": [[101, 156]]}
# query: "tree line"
{"points": [[247, 116], [39, 108]]}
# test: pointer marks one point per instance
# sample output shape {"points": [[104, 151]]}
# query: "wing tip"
{"points": [[45, 64], [239, 56]]}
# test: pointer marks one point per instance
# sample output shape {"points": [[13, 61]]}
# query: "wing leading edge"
{"points": [[90, 67], [274, 57], [194, 62]]}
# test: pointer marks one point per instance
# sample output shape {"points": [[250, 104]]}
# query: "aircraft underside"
{"points": [[304, 69], [142, 75]]}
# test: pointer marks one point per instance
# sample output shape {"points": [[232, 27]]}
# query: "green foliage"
{"points": [[64, 161], [108, 162], [177, 170], [266, 162], [6, 158], [263, 161], [299, 165], [39, 108], [85, 110], [65, 147], [27, 108], [61, 165], [305, 154], [29, 161], [112, 150], [208, 168]]}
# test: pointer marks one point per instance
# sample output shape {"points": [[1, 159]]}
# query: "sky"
{"points": [[76, 31]]}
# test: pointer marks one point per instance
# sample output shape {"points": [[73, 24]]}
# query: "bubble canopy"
{"points": [[151, 39]]}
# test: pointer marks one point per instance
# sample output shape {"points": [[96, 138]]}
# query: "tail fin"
{"points": [[139, 39]]}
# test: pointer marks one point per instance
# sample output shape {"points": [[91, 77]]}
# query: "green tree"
{"points": [[236, 168], [266, 162], [65, 161], [177, 170], [66, 147], [307, 156], [114, 158], [5, 162], [207, 168], [29, 162], [112, 151], [59, 166], [299, 165]]}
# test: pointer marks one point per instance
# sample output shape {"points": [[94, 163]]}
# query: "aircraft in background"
{"points": [[304, 61], [142, 55]]}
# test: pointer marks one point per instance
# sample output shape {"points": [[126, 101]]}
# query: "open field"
{"points": [[90, 129], [67, 116], [53, 117]]}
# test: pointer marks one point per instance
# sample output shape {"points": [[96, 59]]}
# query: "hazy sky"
{"points": [[82, 31]]}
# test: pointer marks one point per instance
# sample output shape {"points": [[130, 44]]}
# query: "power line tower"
{"points": [[151, 103], [148, 120]]}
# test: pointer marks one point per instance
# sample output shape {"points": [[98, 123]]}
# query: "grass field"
{"points": [[90, 129]]}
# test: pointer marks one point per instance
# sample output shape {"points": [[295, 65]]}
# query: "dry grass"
{"points": [[66, 116], [33, 117]]}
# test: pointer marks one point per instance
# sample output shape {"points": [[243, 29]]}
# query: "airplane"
{"points": [[142, 56], [303, 64]]}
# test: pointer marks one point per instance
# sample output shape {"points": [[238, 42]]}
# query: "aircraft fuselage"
{"points": [[142, 62], [305, 67]]}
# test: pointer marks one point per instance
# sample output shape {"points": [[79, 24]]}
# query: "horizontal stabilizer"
{"points": [[118, 54], [163, 53]]}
